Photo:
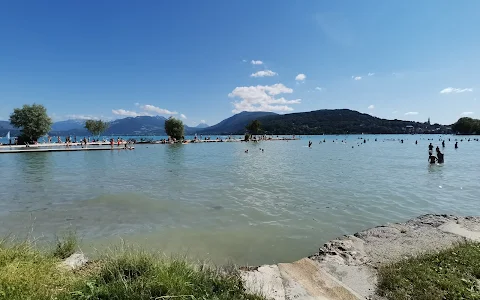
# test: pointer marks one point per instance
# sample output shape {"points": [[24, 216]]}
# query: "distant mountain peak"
{"points": [[202, 125]]}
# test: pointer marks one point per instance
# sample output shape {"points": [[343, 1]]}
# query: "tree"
{"points": [[32, 120], [174, 128], [96, 127], [466, 125], [254, 127]]}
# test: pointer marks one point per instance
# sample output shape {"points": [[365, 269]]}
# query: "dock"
{"points": [[24, 149]]}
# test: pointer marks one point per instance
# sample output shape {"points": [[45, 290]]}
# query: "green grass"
{"points": [[27, 273], [449, 274], [65, 246]]}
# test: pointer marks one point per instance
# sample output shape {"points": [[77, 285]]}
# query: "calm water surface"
{"points": [[214, 201]]}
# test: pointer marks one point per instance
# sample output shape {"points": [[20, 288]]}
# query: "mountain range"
{"points": [[326, 121]]}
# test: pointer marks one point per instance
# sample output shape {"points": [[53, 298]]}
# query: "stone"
{"points": [[75, 261]]}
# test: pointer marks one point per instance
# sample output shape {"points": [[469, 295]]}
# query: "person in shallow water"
{"points": [[309, 144], [432, 159], [456, 145], [440, 156], [443, 144], [430, 147]]}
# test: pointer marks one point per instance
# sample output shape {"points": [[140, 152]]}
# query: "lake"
{"points": [[214, 201]]}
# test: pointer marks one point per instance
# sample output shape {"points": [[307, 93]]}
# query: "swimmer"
{"points": [[440, 157], [432, 159]]}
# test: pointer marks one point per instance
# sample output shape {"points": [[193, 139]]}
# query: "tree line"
{"points": [[34, 122]]}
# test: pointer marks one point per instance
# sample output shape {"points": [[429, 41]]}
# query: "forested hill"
{"points": [[341, 121]]}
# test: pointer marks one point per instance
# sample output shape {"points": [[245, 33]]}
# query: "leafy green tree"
{"points": [[466, 125], [254, 127], [96, 127], [174, 128], [32, 120]]}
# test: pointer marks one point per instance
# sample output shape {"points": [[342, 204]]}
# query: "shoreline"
{"points": [[60, 147], [346, 267]]}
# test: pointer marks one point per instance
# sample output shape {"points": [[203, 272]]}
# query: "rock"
{"points": [[74, 261]]}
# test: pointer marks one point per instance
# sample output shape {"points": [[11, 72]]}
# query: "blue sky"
{"points": [[205, 60]]}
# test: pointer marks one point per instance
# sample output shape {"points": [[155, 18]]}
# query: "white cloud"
{"points": [[183, 116], [411, 113], [266, 73], [257, 62], [467, 113], [127, 113], [371, 74], [203, 122], [82, 117], [357, 77], [319, 88], [301, 77], [262, 98], [455, 90], [137, 104], [371, 106], [158, 110], [244, 60]]}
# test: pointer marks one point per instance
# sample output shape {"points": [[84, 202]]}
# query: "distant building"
{"points": [[428, 122], [409, 128]]}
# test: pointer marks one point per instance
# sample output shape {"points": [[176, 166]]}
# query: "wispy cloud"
{"points": [[450, 90], [126, 113], [244, 60], [158, 110], [357, 77], [411, 113], [371, 74], [319, 88], [395, 111], [266, 73], [262, 98], [301, 77], [183, 116], [256, 62], [371, 106], [203, 122], [83, 117], [467, 113], [136, 104]]}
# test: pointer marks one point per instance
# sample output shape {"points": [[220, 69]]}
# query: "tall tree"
{"points": [[96, 127], [254, 127], [32, 120], [467, 125], [174, 128]]}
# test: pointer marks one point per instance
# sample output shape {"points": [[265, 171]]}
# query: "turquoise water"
{"points": [[214, 201]]}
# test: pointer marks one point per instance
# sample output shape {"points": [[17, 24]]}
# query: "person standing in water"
{"points": [[309, 144], [443, 143], [430, 147], [440, 156], [432, 159], [456, 145]]}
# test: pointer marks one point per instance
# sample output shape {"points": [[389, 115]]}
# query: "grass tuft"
{"points": [[449, 274], [65, 246], [27, 273]]}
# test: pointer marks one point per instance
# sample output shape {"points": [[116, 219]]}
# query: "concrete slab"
{"points": [[305, 279], [458, 229], [266, 281]]}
